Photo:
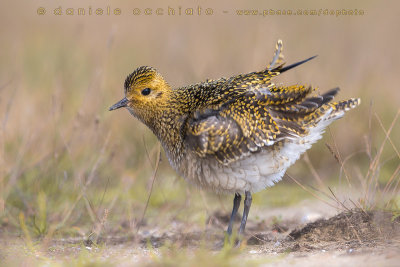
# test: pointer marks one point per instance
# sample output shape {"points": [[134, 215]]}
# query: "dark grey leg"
{"points": [[236, 204], [247, 204]]}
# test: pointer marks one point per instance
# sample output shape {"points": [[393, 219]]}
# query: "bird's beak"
{"points": [[120, 104]]}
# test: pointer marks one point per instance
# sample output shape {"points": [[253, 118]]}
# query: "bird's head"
{"points": [[146, 92]]}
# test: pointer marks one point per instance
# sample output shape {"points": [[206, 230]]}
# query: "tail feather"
{"points": [[278, 56], [339, 108], [346, 104], [301, 124], [302, 106], [282, 69]]}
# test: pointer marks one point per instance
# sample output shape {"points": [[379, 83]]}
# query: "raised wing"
{"points": [[212, 94], [257, 119], [243, 114], [263, 79]]}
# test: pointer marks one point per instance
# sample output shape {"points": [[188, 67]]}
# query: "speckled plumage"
{"points": [[236, 134]]}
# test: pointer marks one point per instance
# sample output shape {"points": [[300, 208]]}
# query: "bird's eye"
{"points": [[146, 91]]}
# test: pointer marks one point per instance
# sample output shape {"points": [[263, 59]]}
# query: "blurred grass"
{"points": [[65, 160]]}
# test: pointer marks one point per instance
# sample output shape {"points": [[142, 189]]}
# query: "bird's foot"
{"points": [[229, 241]]}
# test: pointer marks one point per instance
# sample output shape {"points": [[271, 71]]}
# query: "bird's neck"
{"points": [[169, 122], [167, 126]]}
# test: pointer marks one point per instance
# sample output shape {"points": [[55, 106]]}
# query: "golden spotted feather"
{"points": [[228, 118], [233, 135], [256, 113]]}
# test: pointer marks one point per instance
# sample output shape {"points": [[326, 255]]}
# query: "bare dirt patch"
{"points": [[348, 230], [353, 237], [356, 228]]}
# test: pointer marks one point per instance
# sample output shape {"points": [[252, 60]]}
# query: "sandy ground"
{"points": [[305, 235]]}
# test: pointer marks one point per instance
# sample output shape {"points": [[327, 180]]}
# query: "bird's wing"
{"points": [[255, 120], [215, 93], [235, 129], [262, 79]]}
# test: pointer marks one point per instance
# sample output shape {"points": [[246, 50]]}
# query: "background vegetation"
{"points": [[71, 169]]}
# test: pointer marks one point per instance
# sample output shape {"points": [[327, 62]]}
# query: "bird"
{"points": [[234, 135]]}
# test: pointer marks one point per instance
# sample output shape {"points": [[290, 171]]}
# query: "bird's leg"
{"points": [[247, 204], [236, 204]]}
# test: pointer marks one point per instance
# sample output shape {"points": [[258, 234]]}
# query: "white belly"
{"points": [[254, 172]]}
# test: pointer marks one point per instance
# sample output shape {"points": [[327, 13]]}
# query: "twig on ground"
{"points": [[305, 189], [151, 188], [337, 200]]}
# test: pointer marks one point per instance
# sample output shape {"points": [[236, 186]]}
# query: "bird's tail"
{"points": [[339, 108], [277, 63]]}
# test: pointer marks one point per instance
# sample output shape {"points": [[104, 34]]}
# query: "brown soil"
{"points": [[347, 230], [354, 228], [353, 237]]}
